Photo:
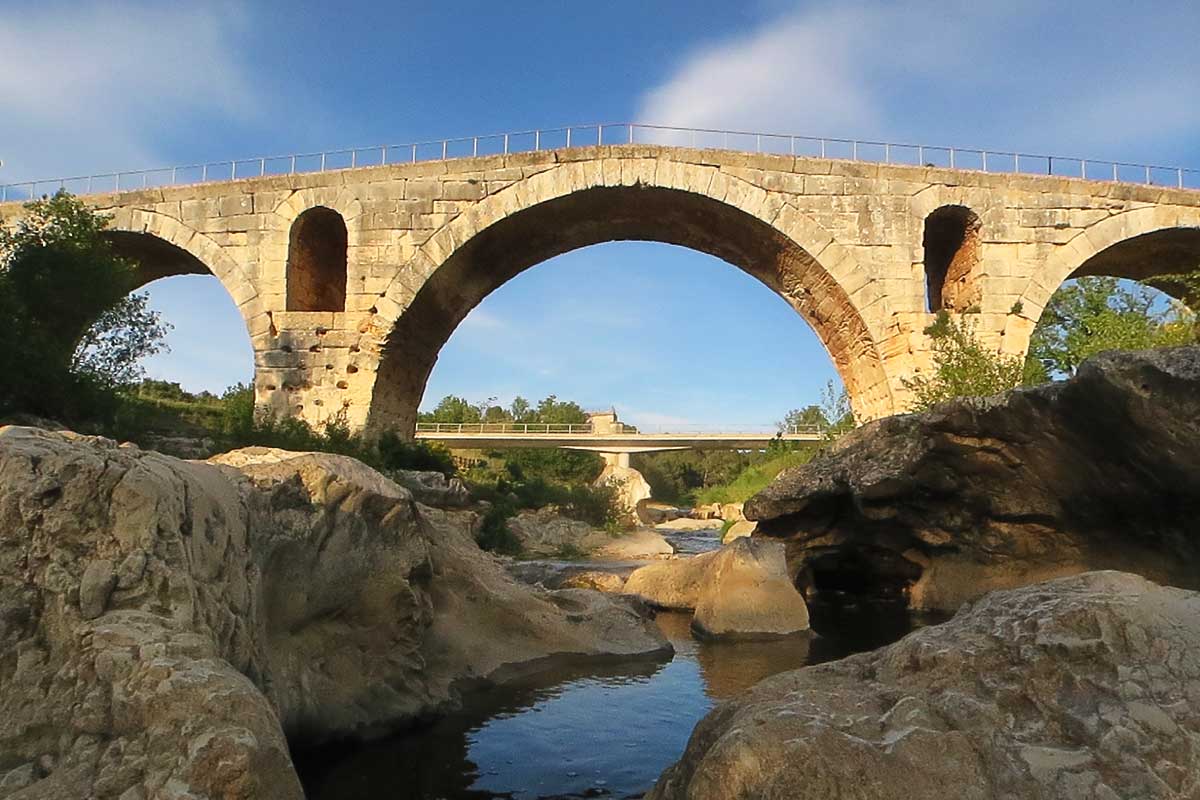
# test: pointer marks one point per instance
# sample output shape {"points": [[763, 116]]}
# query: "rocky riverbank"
{"points": [[1082, 687], [167, 626], [1098, 472]]}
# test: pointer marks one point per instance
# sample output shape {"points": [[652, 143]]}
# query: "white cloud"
{"points": [[478, 318], [1104, 79], [96, 86]]}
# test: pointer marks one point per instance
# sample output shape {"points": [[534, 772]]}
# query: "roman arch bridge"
{"points": [[351, 273]]}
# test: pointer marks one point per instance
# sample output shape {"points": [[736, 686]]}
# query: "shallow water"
{"points": [[592, 730]]}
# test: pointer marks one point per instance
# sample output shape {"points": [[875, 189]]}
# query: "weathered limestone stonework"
{"points": [[843, 242]]}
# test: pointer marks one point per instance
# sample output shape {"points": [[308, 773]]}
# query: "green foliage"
{"points": [[675, 476], [494, 534], [1090, 315], [800, 418], [754, 478], [550, 411], [562, 466], [595, 505], [962, 366], [835, 407], [72, 333]]}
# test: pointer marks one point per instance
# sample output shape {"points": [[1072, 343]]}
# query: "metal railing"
{"points": [[588, 429], [991, 161], [501, 427]]}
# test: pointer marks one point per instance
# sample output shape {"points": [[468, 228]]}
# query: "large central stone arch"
{"points": [[581, 204]]}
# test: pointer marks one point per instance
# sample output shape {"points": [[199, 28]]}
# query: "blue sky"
{"points": [[92, 87]]}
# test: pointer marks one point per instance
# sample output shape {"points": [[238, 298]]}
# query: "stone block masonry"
{"points": [[347, 307]]}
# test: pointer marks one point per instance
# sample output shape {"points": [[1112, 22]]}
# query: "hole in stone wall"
{"points": [[316, 265], [951, 245]]}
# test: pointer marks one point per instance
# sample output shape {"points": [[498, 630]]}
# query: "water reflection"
{"points": [[582, 730]]}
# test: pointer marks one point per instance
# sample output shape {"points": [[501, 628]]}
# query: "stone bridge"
{"points": [[350, 281]]}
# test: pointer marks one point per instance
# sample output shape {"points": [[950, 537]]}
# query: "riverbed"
{"points": [[598, 729]]}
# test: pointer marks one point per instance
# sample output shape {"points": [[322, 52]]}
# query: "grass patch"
{"points": [[754, 479]]}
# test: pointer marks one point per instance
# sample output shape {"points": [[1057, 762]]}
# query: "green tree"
{"points": [[962, 366], [520, 410], [552, 411], [807, 417], [452, 409], [71, 333], [111, 350], [835, 407], [1093, 314]]}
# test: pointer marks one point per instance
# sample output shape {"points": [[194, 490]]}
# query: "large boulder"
{"points": [[167, 626], [741, 590], [1082, 687], [652, 512], [631, 487], [1098, 472]]}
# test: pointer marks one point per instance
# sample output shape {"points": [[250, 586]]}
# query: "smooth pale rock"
{"points": [[746, 592], [638, 543], [740, 590], [1098, 472], [632, 487], [1081, 687], [688, 524], [710, 511], [739, 529], [732, 511], [298, 594], [673, 584]]}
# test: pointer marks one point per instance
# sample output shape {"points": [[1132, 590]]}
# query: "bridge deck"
{"points": [[616, 442]]}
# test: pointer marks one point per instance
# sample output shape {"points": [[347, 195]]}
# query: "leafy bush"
{"points": [[756, 477], [72, 334], [963, 367], [1090, 315]]}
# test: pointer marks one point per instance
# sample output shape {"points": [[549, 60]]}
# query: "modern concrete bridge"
{"points": [[604, 433], [352, 270]]}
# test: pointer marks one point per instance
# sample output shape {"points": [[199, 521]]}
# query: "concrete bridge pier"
{"points": [[618, 460]]}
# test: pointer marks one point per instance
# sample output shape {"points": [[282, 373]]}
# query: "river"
{"points": [[598, 729]]}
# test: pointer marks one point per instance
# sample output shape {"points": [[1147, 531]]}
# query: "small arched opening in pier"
{"points": [[951, 243], [316, 263]]}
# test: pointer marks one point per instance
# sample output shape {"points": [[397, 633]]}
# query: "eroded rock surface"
{"points": [[1082, 687], [545, 533], [164, 624], [743, 589], [1098, 472]]}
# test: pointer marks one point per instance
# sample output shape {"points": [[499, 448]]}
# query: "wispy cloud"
{"points": [[1105, 78], [96, 86], [483, 320]]}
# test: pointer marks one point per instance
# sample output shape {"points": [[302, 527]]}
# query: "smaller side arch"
{"points": [[951, 244], [1134, 244], [193, 253], [316, 262], [1166, 240]]}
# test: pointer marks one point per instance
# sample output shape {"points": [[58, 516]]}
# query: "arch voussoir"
{"points": [[821, 279]]}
